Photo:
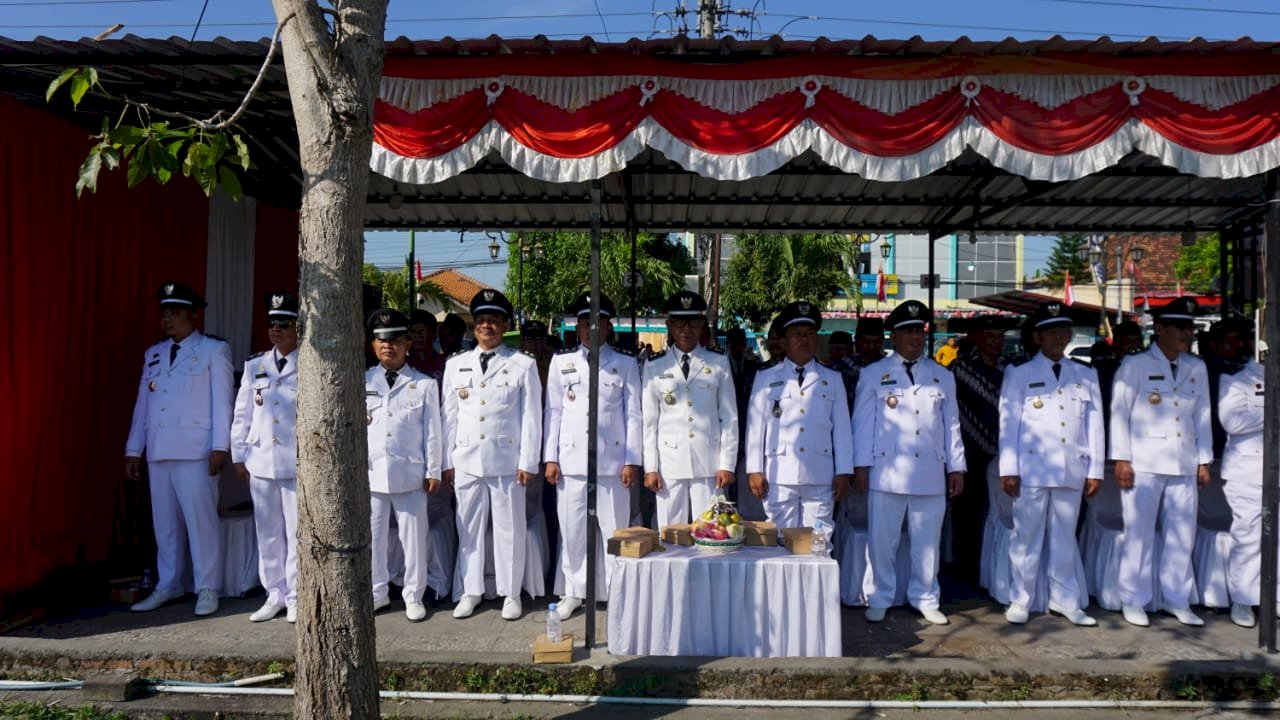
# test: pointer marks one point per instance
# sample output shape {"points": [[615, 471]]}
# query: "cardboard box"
{"points": [[760, 526], [678, 534], [632, 546], [545, 651], [638, 531], [799, 541], [759, 533]]}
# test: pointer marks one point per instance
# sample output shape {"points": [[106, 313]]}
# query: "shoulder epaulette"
{"points": [[526, 352], [657, 355], [219, 338], [257, 354], [456, 353], [771, 363], [826, 364], [1021, 360], [717, 349], [625, 351], [1080, 362], [567, 351]]}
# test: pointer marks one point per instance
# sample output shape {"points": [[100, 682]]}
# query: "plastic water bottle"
{"points": [[553, 624], [821, 538]]}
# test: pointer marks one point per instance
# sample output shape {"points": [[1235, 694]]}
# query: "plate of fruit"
{"points": [[719, 528]]}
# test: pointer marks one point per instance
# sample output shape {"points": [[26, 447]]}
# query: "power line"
{"points": [[1154, 6], [26, 3], [912, 23]]}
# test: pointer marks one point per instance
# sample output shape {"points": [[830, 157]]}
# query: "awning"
{"points": [[1023, 302]]}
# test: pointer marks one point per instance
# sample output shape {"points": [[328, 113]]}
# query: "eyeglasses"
{"points": [[281, 324]]}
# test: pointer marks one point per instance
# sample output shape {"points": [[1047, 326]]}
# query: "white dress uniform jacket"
{"points": [[799, 434], [183, 410], [1051, 429], [690, 425], [404, 430], [914, 436], [264, 429], [1171, 436], [1241, 405], [619, 433], [492, 420]]}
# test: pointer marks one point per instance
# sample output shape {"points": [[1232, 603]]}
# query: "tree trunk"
{"points": [[333, 76]]}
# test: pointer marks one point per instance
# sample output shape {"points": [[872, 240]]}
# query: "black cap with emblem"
{"points": [[281, 305], [174, 294], [1050, 315], [582, 306], [800, 312], [685, 303], [533, 329], [911, 313], [490, 301], [388, 324], [869, 326], [1177, 310]]}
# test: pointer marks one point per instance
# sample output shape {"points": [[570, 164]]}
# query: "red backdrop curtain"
{"points": [[275, 263], [77, 308]]}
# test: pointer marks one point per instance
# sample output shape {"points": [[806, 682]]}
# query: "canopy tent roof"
{"points": [[1026, 302], [770, 135]]}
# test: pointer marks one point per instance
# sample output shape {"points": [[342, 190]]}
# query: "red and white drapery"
{"points": [[575, 118]]}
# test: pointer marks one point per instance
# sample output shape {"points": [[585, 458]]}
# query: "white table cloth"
{"points": [[757, 602], [239, 553]]}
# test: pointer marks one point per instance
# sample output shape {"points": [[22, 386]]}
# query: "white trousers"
{"points": [[1244, 563], [924, 513], [1040, 513], [1172, 499], [612, 510], [677, 497], [275, 520], [410, 509], [789, 506], [184, 509], [504, 498]]}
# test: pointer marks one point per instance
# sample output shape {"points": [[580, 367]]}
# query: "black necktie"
{"points": [[280, 363], [173, 352], [800, 376], [684, 365], [391, 378], [1174, 367], [1057, 371], [908, 364], [484, 361]]}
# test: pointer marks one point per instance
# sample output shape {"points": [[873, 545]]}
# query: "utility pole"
{"points": [[708, 14], [413, 270]]}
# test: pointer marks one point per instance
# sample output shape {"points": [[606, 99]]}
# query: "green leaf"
{"points": [[128, 135], [81, 82], [139, 167], [230, 183], [242, 151], [110, 157], [58, 82], [88, 175]]}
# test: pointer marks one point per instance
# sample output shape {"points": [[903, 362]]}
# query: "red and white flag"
{"points": [[418, 270], [881, 296], [1068, 295], [1179, 287]]}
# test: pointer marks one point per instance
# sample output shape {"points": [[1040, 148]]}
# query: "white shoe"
{"points": [[415, 611], [1242, 615], [291, 614], [266, 612], [1075, 615], [511, 608], [154, 600], [207, 602], [875, 614], [379, 604], [1135, 615], [935, 616], [466, 606], [1017, 614], [1185, 616], [567, 605]]}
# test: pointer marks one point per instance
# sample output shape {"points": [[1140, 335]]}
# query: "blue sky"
{"points": [[618, 20]]}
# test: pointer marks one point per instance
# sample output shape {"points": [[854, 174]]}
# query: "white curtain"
{"points": [[229, 273]]}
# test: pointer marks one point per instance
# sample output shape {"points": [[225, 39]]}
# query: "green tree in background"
{"points": [[552, 282], [769, 271], [1197, 264], [1068, 255], [395, 287]]}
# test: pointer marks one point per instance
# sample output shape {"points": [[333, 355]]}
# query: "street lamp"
{"points": [[537, 250], [886, 249]]}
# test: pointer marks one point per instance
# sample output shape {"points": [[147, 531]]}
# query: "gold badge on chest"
{"points": [[572, 396], [463, 393], [892, 401], [1037, 403], [1154, 398], [669, 398]]}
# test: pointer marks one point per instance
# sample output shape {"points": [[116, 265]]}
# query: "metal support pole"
{"points": [[1271, 423], [934, 322], [713, 307], [593, 412], [413, 275], [635, 339], [520, 279], [1224, 275], [1119, 284]]}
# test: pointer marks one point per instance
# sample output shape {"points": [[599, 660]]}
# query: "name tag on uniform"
{"points": [[567, 371], [1036, 385], [371, 393], [154, 362], [259, 375], [665, 376], [464, 369], [780, 383], [888, 382], [1155, 377]]}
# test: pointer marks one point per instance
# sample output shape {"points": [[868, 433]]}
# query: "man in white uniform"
{"points": [[402, 407], [1051, 448], [690, 416], [1162, 442], [799, 439], [492, 448], [182, 420], [619, 449], [910, 458], [1241, 402], [264, 449]]}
